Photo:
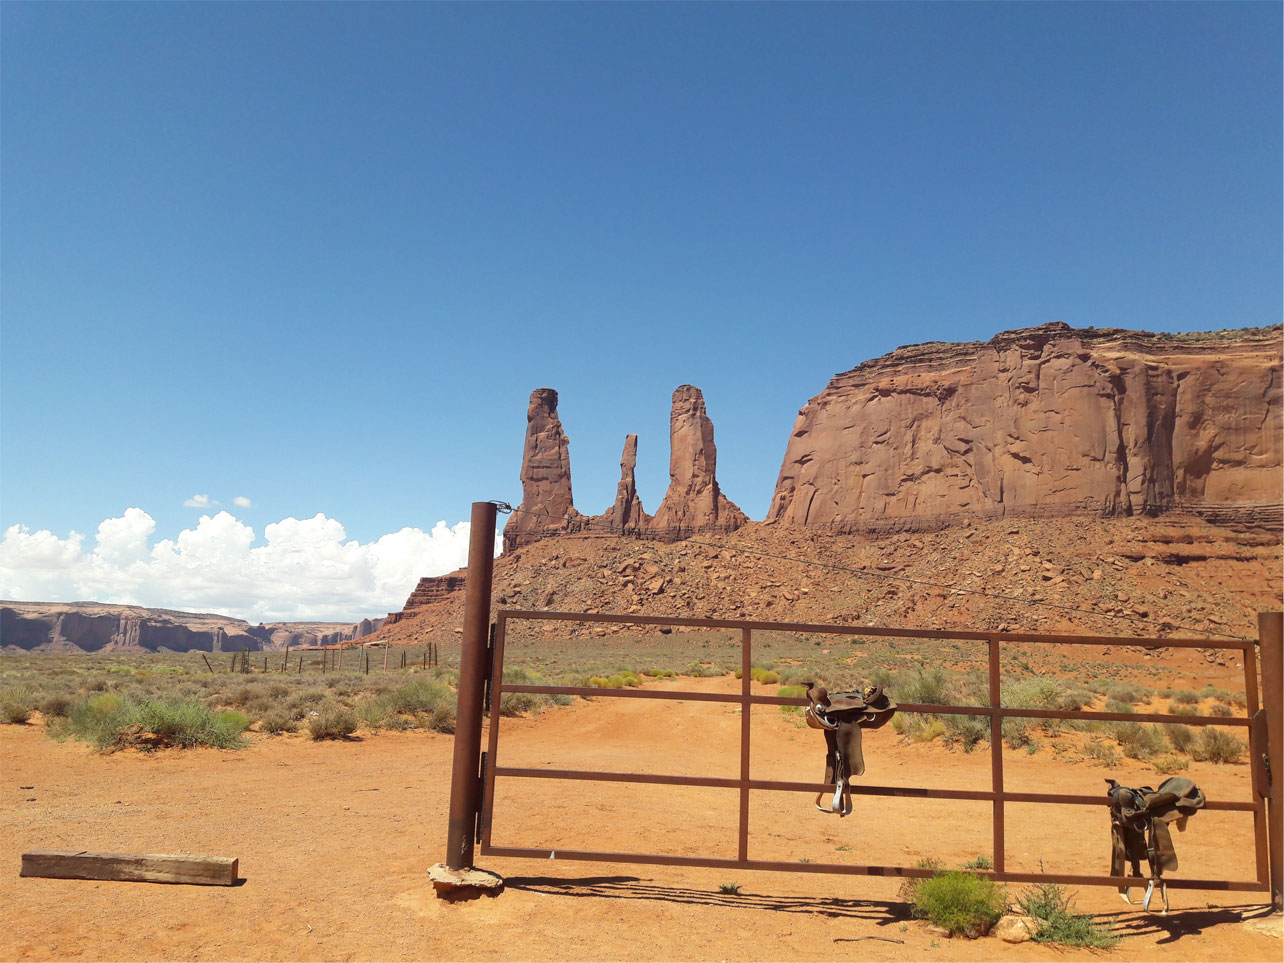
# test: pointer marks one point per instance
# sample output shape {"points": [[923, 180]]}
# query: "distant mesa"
{"points": [[693, 504], [103, 627]]}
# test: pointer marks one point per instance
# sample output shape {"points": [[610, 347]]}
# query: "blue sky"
{"points": [[317, 256]]}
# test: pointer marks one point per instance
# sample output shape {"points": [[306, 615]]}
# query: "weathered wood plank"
{"points": [[145, 868]]}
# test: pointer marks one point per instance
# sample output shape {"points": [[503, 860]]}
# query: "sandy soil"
{"points": [[334, 840]]}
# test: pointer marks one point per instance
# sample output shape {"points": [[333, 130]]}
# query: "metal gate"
{"points": [[1253, 721]]}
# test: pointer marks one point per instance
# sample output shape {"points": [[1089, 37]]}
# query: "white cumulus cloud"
{"points": [[303, 569], [199, 501], [240, 501]]}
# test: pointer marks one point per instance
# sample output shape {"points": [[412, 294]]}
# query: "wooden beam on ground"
{"points": [[148, 868]]}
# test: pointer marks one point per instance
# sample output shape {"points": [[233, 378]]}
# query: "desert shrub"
{"points": [[442, 718], [1182, 737], [960, 902], [422, 695], [966, 731], [700, 670], [332, 721], [979, 862], [1239, 699], [1140, 741], [1186, 696], [1182, 709], [521, 703], [926, 687], [278, 690], [1035, 692], [1018, 733], [278, 721], [375, 712], [1220, 709], [306, 699], [1102, 753], [1167, 765], [189, 724], [1124, 692], [17, 703], [763, 676], [1072, 700], [1049, 906], [1216, 745], [56, 706], [908, 890], [1114, 705], [793, 692], [1212, 692]]}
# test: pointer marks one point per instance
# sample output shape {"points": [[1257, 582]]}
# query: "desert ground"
{"points": [[334, 839]]}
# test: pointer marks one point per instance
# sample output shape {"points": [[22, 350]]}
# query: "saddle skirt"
{"points": [[1139, 820], [842, 716]]}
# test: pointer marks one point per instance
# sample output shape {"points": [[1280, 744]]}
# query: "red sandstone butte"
{"points": [[694, 502], [1045, 420], [547, 507]]}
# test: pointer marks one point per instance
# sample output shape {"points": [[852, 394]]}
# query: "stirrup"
{"points": [[1123, 895]]}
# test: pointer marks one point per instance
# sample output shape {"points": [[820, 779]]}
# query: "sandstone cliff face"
{"points": [[1046, 420], [547, 504], [693, 502]]}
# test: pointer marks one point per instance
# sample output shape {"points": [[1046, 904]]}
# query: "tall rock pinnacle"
{"points": [[546, 477], [693, 503], [626, 514]]}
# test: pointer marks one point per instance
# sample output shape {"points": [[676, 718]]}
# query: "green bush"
{"points": [[1167, 765], [1049, 906], [17, 703], [967, 731], [111, 722], [1123, 692], [332, 721], [1102, 753], [1221, 709], [1140, 741], [56, 706], [1181, 709], [960, 902], [1186, 696], [278, 721], [1182, 737], [1114, 705], [1216, 745]]}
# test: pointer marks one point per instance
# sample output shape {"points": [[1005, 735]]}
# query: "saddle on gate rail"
{"points": [[842, 716], [1139, 821]]}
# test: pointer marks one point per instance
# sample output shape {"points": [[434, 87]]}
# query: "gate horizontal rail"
{"points": [[996, 713]]}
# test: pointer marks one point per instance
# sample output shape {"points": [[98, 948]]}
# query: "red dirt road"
{"points": [[334, 840]]}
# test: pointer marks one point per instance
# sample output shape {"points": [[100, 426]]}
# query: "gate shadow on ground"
{"points": [[632, 887], [1180, 922]]}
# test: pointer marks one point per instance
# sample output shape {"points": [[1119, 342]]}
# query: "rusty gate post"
{"points": [[465, 780], [1270, 628]]}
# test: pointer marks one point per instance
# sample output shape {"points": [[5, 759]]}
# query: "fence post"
{"points": [[996, 754], [1270, 628], [465, 783]]}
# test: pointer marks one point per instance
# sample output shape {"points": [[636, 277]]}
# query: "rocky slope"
{"points": [[1130, 576], [1043, 421], [94, 627]]}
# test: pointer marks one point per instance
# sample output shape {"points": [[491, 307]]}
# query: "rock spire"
{"points": [[694, 502], [547, 504]]}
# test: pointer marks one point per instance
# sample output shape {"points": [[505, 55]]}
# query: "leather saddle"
{"points": [[1139, 821], [842, 716]]}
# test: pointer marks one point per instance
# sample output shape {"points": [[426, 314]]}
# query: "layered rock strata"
{"points": [[693, 502], [429, 591], [1042, 421]]}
